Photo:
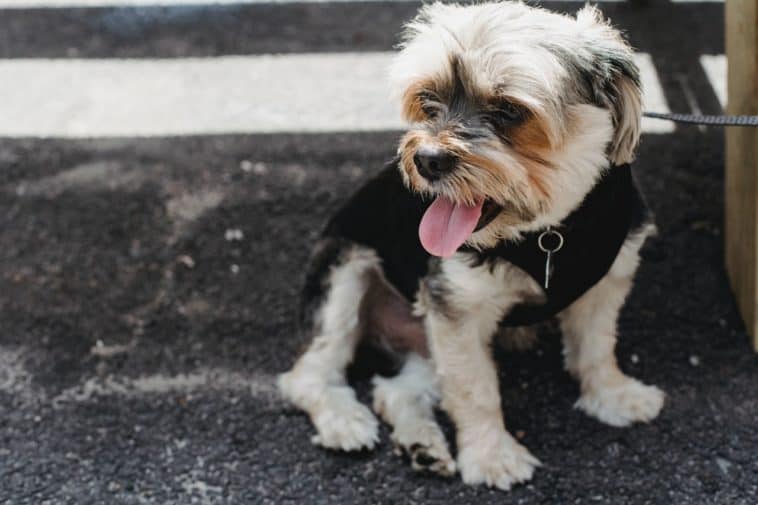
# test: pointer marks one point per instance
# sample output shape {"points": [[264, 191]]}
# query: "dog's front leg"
{"points": [[462, 308], [589, 339]]}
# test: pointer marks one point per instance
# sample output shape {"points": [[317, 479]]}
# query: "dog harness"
{"points": [[576, 254], [385, 216]]}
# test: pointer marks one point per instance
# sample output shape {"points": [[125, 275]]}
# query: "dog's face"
{"points": [[514, 112]]}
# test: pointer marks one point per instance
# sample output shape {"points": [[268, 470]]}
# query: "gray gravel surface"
{"points": [[139, 339]]}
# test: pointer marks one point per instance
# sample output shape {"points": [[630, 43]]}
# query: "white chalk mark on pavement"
{"points": [[92, 176], [186, 208], [17, 380], [259, 386]]}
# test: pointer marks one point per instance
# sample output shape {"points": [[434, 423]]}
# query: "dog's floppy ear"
{"points": [[615, 82]]}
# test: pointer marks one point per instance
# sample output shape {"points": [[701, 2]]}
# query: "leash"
{"points": [[706, 120]]}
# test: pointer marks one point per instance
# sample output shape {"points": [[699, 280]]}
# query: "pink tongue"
{"points": [[446, 226]]}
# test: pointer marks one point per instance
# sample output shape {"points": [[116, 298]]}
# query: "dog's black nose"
{"points": [[433, 163]]}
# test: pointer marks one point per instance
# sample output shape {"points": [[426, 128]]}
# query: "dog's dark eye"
{"points": [[510, 112], [430, 110], [429, 104], [504, 115]]}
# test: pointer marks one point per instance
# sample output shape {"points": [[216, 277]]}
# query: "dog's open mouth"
{"points": [[490, 210], [446, 225]]}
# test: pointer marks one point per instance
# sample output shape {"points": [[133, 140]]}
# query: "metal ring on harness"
{"points": [[548, 233]]}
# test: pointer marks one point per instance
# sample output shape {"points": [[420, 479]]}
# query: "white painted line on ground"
{"points": [[654, 100], [61, 4], [715, 69], [236, 94], [327, 92]]}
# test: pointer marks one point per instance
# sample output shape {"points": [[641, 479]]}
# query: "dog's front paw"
{"points": [[345, 424], [623, 405], [500, 464]]}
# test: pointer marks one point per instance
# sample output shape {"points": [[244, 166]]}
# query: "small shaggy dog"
{"points": [[511, 201]]}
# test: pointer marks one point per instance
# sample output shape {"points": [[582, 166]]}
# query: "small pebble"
{"points": [[235, 269], [634, 359], [723, 465], [246, 165], [233, 234], [186, 260], [694, 361], [614, 449]]}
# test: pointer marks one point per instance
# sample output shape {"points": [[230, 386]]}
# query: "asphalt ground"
{"points": [[148, 291]]}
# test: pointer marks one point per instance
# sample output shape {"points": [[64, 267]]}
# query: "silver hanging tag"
{"points": [[549, 251]]}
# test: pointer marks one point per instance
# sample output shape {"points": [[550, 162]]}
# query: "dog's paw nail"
{"points": [[431, 455], [425, 459]]}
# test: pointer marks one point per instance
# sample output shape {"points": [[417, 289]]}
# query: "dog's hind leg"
{"points": [[317, 382], [406, 402]]}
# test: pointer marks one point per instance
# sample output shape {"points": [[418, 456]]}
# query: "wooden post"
{"points": [[741, 225]]}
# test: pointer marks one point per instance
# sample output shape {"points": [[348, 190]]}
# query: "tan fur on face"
{"points": [[475, 177], [412, 103], [510, 170], [409, 144], [506, 185], [530, 138], [518, 181], [412, 109], [532, 141]]}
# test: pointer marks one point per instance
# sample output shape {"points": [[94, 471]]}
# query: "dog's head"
{"points": [[515, 112]]}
